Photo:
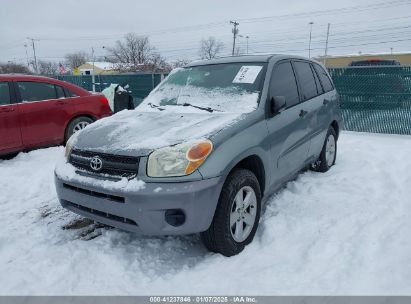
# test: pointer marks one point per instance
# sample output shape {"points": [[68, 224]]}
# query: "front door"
{"points": [[288, 129]]}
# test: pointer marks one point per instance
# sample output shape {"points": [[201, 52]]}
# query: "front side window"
{"points": [[325, 80], [4, 94], [306, 79], [283, 84], [36, 91], [228, 87]]}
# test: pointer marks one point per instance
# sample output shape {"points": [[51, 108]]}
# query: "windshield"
{"points": [[229, 87]]}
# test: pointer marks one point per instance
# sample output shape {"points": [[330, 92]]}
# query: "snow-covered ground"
{"points": [[347, 231]]}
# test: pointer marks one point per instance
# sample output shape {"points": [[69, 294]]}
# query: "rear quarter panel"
{"points": [[91, 106]]}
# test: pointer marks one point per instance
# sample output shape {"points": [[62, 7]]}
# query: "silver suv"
{"points": [[204, 149]]}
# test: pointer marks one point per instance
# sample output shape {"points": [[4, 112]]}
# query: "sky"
{"points": [[175, 28]]}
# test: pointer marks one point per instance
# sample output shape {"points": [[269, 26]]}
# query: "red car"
{"points": [[39, 111]]}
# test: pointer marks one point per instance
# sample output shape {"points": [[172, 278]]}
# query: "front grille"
{"points": [[114, 198], [110, 216], [114, 165]]}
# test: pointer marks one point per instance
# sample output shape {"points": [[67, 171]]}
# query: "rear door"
{"points": [[322, 108], [10, 136], [313, 101], [288, 129], [44, 112]]}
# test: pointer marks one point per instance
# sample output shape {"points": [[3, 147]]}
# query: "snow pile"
{"points": [[343, 232]]}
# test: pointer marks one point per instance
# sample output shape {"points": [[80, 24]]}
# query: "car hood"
{"points": [[139, 133]]}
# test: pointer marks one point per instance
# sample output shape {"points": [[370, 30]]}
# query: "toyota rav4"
{"points": [[205, 149]]}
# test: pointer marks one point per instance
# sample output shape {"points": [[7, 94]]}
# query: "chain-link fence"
{"points": [[140, 85], [375, 99]]}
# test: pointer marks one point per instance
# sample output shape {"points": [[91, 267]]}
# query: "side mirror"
{"points": [[277, 104]]}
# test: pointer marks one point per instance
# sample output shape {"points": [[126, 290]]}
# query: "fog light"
{"points": [[175, 217]]}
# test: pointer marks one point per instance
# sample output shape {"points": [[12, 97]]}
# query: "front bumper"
{"points": [[144, 210]]}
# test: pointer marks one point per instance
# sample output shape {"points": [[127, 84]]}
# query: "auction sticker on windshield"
{"points": [[247, 74]]}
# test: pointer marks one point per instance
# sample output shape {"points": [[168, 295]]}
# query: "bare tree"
{"points": [[74, 60], [133, 52], [179, 63], [48, 67], [11, 67], [158, 63], [210, 48]]}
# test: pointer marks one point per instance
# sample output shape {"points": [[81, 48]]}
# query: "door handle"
{"points": [[326, 101], [302, 113], [61, 103]]}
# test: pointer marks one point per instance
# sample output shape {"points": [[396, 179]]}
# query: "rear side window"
{"points": [[306, 79], [325, 80], [60, 92], [317, 82], [283, 84], [36, 91], [70, 93], [4, 93]]}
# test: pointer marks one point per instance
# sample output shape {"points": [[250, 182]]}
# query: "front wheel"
{"points": [[237, 215], [328, 153]]}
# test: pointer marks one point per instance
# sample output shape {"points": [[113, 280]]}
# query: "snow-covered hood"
{"points": [[138, 133]]}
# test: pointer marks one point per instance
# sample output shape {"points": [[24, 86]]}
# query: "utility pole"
{"points": [[34, 53], [309, 43], [235, 33], [326, 44]]}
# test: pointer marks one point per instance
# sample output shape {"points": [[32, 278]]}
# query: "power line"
{"points": [[207, 26], [357, 8], [336, 38]]}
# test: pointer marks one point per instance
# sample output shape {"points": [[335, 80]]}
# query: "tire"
{"points": [[231, 216], [76, 125], [8, 156], [328, 153]]}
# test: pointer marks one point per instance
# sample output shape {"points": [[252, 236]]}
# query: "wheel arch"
{"points": [[78, 115], [255, 164], [336, 127]]}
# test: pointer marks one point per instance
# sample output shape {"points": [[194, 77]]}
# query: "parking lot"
{"points": [[342, 232]]}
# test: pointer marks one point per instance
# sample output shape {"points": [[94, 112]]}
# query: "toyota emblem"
{"points": [[96, 163]]}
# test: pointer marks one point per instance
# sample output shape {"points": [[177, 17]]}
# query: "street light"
{"points": [[246, 37], [27, 56], [309, 43]]}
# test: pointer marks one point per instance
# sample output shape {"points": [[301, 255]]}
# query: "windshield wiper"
{"points": [[208, 109], [155, 106]]}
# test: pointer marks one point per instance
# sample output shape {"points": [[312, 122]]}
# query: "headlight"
{"points": [[178, 160], [69, 146]]}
